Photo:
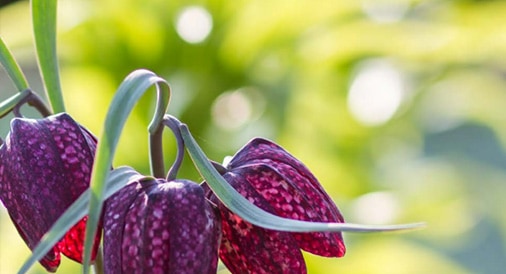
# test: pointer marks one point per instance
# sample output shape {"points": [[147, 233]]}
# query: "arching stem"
{"points": [[156, 153], [35, 101], [15, 102], [174, 125]]}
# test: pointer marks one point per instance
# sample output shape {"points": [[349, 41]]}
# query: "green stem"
{"points": [[14, 102], [35, 101], [156, 153], [174, 124], [9, 104], [129, 92]]}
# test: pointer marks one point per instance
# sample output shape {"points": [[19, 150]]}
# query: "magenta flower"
{"points": [[275, 181], [45, 164], [155, 226]]}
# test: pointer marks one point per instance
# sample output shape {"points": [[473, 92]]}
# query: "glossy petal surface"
{"points": [[277, 182], [160, 227], [282, 172], [259, 151], [45, 164]]}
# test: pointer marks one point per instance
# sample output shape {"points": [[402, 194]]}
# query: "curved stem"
{"points": [[129, 92], [15, 102], [9, 104], [173, 123], [156, 153], [35, 101]]}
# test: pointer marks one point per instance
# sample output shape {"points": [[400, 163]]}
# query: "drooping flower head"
{"points": [[45, 164], [155, 226], [277, 182]]}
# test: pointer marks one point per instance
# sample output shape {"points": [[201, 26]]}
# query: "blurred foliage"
{"points": [[285, 70]]}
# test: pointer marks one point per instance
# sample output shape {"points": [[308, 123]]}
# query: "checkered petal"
{"points": [[45, 165]]}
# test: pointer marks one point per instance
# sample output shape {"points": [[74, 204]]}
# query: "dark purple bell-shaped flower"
{"points": [[45, 164], [275, 181], [155, 226]]}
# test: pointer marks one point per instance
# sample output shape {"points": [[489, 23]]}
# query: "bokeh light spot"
{"points": [[375, 208], [231, 110], [194, 24], [385, 11], [234, 109], [376, 93]]}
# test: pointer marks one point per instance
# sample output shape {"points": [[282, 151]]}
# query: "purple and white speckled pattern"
{"points": [[45, 164], [160, 227], [277, 182]]}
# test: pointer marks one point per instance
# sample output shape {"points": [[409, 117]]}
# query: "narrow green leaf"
{"points": [[257, 216], [44, 29], [129, 92], [7, 105], [117, 179], [12, 67]]}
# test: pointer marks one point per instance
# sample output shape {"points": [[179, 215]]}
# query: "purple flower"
{"points": [[45, 164], [275, 181], [155, 226]]}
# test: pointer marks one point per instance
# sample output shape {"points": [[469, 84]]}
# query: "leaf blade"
{"points": [[11, 66], [257, 216], [44, 30], [128, 93], [8, 104]]}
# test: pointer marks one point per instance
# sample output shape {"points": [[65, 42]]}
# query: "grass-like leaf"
{"points": [[44, 30], [11, 66], [257, 216], [129, 92], [116, 180], [8, 104]]}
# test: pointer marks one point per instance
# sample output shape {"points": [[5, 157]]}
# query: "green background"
{"points": [[288, 70]]}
